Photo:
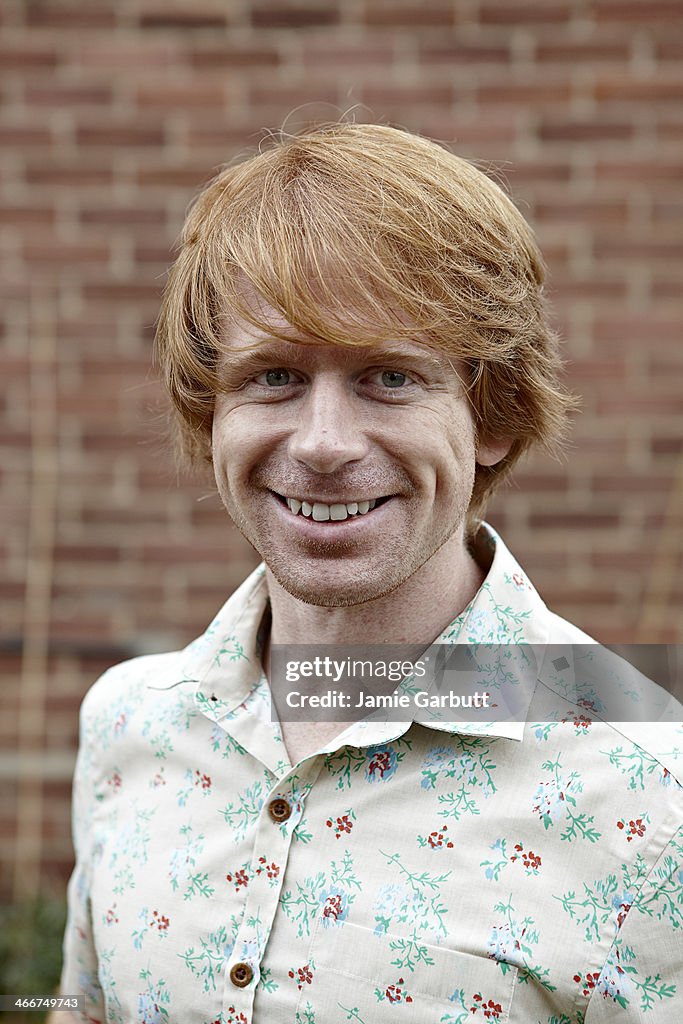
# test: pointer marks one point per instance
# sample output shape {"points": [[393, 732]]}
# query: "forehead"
{"points": [[274, 337]]}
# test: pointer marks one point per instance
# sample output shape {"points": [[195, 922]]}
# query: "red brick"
{"points": [[230, 57], [181, 177], [71, 176], [381, 95], [83, 553], [117, 137], [54, 95], [630, 249], [23, 135], [652, 12], [583, 53], [573, 211], [669, 49], [121, 215], [27, 215], [536, 172], [632, 483], [321, 55], [286, 96], [642, 405], [627, 90], [284, 15], [182, 20], [580, 286], [135, 54], [390, 14], [27, 58], [537, 94], [455, 52], [666, 445], [79, 16], [584, 131], [666, 287], [633, 326], [661, 170], [165, 97], [515, 14], [58, 253], [573, 520], [669, 131]]}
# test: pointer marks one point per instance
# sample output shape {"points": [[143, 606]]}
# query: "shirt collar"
{"points": [[225, 662]]}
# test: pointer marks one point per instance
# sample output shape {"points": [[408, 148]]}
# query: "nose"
{"points": [[328, 434]]}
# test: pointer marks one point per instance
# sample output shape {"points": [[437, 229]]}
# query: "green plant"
{"points": [[30, 951]]}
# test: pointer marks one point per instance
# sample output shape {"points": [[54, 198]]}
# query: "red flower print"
{"points": [[272, 870], [239, 877], [202, 780], [333, 907], [491, 1010], [341, 825], [380, 764], [581, 722], [530, 860], [395, 994], [302, 975], [589, 983], [115, 781], [234, 1018], [159, 921], [436, 839], [633, 827]]}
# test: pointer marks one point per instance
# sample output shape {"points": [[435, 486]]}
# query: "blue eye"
{"points": [[277, 378], [393, 379]]}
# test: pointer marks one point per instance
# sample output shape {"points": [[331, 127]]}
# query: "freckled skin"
{"points": [[344, 424]]}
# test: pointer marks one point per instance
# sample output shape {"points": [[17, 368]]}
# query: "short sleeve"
{"points": [[642, 979]]}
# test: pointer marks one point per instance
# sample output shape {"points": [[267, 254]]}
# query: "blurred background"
{"points": [[114, 113]]}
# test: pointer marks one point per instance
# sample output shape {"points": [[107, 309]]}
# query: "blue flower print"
{"points": [[334, 907]]}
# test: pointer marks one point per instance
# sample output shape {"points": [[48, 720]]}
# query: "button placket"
{"points": [[273, 839]]}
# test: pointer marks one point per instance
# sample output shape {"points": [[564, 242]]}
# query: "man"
{"points": [[354, 335]]}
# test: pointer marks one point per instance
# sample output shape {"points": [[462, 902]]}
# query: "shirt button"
{"points": [[241, 975], [279, 809]]}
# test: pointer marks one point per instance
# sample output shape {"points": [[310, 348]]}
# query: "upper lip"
{"points": [[331, 501]]}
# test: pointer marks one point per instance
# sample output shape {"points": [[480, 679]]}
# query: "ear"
{"points": [[491, 450]]}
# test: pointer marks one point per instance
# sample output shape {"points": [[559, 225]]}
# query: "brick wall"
{"points": [[113, 115]]}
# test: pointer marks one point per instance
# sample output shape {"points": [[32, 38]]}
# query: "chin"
{"points": [[342, 594]]}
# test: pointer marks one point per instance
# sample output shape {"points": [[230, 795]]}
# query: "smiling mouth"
{"points": [[337, 512]]}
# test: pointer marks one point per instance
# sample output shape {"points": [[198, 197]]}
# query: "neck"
{"points": [[417, 611]]}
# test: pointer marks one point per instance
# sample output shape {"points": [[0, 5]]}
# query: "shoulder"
{"points": [[129, 691]]}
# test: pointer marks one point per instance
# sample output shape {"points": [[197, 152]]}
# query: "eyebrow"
{"points": [[276, 351]]}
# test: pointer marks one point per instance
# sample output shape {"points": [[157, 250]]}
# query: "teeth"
{"points": [[321, 512]]}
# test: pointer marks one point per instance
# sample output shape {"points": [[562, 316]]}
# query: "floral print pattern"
{"points": [[425, 871]]}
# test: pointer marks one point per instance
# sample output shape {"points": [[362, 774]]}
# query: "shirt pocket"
{"points": [[351, 978]]}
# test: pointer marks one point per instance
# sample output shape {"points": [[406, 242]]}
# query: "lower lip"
{"points": [[332, 528]]}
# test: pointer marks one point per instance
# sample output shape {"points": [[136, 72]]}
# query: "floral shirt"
{"points": [[415, 873]]}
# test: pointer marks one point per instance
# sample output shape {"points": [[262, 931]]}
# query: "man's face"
{"points": [[347, 469]]}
